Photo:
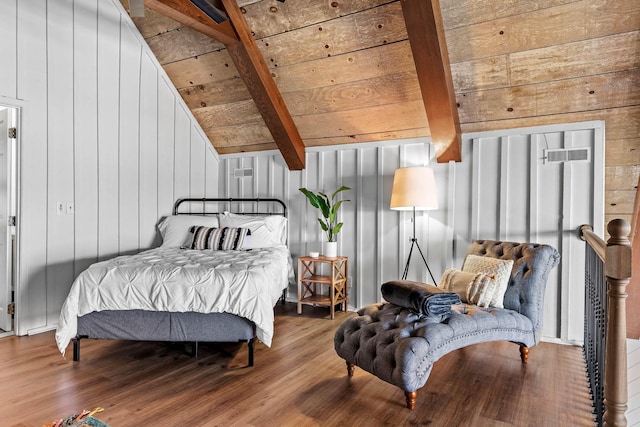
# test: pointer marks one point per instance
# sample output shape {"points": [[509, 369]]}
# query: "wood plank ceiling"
{"points": [[235, 34], [231, 118], [224, 21], [346, 72]]}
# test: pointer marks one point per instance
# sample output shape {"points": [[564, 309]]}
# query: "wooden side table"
{"points": [[311, 281]]}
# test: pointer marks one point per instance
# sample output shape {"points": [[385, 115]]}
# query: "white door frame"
{"points": [[17, 108]]}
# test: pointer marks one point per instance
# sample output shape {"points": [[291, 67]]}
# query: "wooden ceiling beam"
{"points": [[236, 36], [256, 74], [426, 36], [190, 15]]}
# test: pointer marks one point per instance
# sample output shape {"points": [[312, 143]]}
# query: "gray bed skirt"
{"points": [[141, 325]]}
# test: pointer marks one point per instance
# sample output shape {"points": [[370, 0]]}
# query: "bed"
{"points": [[216, 278]]}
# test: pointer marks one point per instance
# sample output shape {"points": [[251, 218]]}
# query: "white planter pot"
{"points": [[330, 249]]}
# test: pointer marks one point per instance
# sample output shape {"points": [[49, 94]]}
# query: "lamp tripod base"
{"points": [[414, 242]]}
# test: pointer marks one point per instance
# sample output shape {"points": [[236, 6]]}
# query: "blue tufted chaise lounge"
{"points": [[400, 346]]}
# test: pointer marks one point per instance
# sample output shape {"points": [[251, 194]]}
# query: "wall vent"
{"points": [[243, 173], [567, 155]]}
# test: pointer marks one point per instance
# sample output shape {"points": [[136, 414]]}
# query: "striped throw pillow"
{"points": [[473, 288], [217, 239]]}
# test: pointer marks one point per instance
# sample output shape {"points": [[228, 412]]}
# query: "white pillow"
{"points": [[266, 231], [174, 229], [473, 288], [498, 269]]}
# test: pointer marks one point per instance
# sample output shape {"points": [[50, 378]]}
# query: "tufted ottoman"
{"points": [[400, 346]]}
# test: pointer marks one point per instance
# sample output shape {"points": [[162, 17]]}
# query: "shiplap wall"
{"points": [[517, 196], [501, 190], [101, 127]]}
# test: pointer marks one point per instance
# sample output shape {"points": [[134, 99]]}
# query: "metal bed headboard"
{"points": [[258, 202]]}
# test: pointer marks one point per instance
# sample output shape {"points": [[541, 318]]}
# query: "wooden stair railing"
{"points": [[633, 289], [617, 258]]}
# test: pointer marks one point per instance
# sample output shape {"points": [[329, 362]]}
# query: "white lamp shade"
{"points": [[414, 187]]}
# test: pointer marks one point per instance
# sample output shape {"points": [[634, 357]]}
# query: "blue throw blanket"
{"points": [[420, 298]]}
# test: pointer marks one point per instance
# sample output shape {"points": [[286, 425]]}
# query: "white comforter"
{"points": [[245, 283]]}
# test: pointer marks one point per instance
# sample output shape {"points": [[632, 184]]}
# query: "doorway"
{"points": [[8, 209]]}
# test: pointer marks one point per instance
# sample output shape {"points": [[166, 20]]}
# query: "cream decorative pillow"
{"points": [[498, 269], [473, 288]]}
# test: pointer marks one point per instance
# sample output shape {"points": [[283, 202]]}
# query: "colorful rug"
{"points": [[83, 419]]}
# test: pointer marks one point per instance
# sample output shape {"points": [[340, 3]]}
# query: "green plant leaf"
{"points": [[313, 199], [335, 193], [323, 202], [327, 209], [334, 209], [337, 228]]}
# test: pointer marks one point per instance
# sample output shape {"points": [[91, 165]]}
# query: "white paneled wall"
{"points": [[509, 191], [102, 128], [503, 189]]}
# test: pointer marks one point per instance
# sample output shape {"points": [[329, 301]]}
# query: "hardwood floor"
{"points": [[299, 381]]}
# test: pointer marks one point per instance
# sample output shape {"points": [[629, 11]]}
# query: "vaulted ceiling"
{"points": [[346, 72]]}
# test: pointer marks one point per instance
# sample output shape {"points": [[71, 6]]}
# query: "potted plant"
{"points": [[328, 208]]}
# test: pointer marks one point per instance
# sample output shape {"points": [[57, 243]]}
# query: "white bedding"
{"points": [[244, 283]]}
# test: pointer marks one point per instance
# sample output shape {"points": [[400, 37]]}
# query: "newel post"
{"points": [[618, 272]]}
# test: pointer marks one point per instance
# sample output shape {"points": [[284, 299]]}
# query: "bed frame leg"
{"points": [[284, 296], [193, 352], [76, 349], [524, 353], [76, 346], [251, 343]]}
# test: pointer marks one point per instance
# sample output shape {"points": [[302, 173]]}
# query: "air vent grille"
{"points": [[567, 155], [243, 173]]}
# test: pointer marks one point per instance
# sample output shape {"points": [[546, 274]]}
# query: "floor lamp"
{"points": [[414, 189]]}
